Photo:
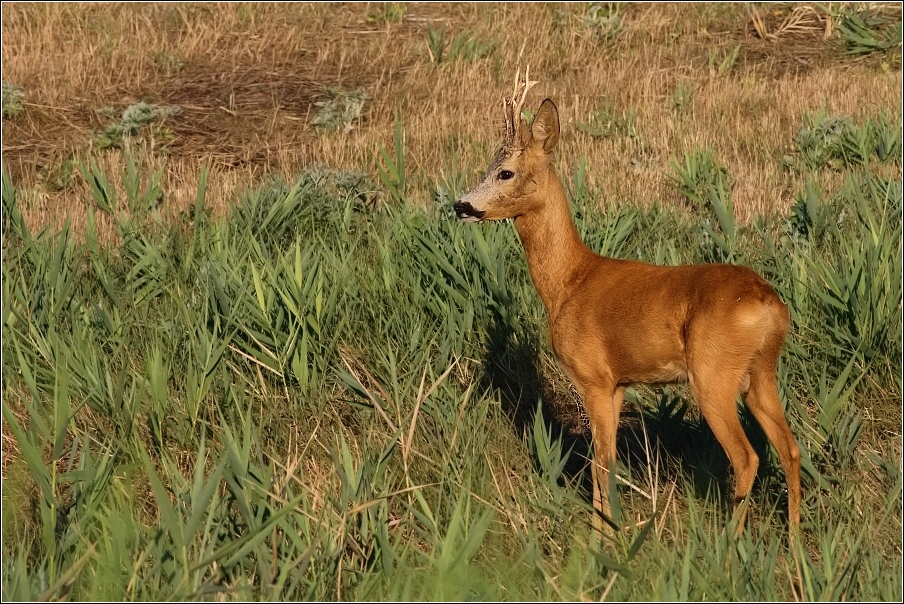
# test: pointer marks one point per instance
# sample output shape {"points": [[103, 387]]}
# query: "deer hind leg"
{"points": [[603, 404], [716, 389], [763, 401]]}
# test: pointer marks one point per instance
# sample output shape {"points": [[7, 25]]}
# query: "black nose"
{"points": [[466, 210]]}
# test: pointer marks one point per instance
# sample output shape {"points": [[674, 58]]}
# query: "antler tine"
{"points": [[515, 89], [508, 114], [512, 106], [508, 121], [522, 89]]}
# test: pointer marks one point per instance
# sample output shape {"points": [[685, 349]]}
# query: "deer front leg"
{"points": [[603, 403]]}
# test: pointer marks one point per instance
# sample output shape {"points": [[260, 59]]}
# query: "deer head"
{"points": [[513, 183]]}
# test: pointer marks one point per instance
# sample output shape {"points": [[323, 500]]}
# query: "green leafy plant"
{"points": [[436, 43], [819, 138], [861, 289], [386, 12], [468, 47], [697, 175], [139, 200], [810, 214], [723, 61], [705, 182], [682, 96], [869, 30], [464, 46], [136, 120], [451, 185], [604, 20], [169, 63], [341, 111], [58, 176], [887, 138], [12, 97], [838, 142], [392, 172], [549, 451]]}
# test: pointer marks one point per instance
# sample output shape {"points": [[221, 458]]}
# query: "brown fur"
{"points": [[614, 322]]}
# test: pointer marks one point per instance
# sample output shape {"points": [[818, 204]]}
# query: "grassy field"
{"points": [[249, 353]]}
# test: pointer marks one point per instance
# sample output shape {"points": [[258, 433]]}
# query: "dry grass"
{"points": [[247, 75]]}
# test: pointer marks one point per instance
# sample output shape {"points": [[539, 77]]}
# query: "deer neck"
{"points": [[555, 253]]}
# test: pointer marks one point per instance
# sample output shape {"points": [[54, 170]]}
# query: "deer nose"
{"points": [[464, 209]]}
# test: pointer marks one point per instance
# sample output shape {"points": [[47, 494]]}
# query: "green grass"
{"points": [[463, 46], [316, 398], [868, 30], [12, 97], [136, 119], [340, 111], [837, 142]]}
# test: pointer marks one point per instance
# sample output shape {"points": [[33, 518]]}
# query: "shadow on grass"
{"points": [[512, 369], [670, 425], [689, 450]]}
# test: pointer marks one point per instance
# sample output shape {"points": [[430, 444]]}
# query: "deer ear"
{"points": [[545, 127]]}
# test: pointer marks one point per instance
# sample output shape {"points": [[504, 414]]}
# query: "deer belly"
{"points": [[634, 362], [668, 372], [652, 361]]}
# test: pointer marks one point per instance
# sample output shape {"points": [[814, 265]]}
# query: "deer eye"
{"points": [[505, 174]]}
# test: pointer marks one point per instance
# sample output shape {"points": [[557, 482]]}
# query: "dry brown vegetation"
{"points": [[247, 76]]}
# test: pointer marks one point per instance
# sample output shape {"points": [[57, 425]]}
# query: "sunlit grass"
{"points": [[316, 398]]}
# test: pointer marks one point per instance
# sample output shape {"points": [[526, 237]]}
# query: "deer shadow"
{"points": [[668, 429]]}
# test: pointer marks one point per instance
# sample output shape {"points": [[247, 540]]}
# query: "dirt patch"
{"points": [[247, 78], [235, 117], [779, 39]]}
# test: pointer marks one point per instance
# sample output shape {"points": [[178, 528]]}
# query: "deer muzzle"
{"points": [[466, 212]]}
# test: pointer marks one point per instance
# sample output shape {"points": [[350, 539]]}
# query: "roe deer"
{"points": [[614, 322]]}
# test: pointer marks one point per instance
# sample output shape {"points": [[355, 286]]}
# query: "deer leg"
{"points": [[763, 401], [603, 403], [716, 394]]}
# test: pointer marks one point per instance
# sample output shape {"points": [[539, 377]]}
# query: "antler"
{"points": [[511, 108]]}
